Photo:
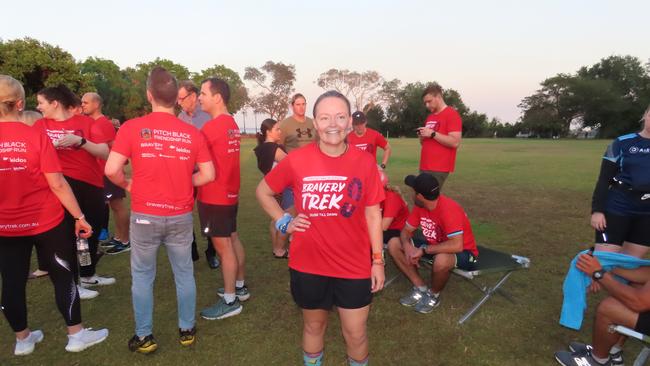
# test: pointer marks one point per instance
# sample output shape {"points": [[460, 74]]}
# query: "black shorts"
{"points": [[218, 221], [633, 229], [112, 192], [312, 292], [465, 260], [643, 323], [389, 234]]}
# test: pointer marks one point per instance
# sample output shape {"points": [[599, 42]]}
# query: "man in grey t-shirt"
{"points": [[297, 129]]}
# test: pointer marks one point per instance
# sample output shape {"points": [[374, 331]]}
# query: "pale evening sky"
{"points": [[493, 52]]}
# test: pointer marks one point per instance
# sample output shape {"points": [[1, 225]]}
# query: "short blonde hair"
{"points": [[11, 91]]}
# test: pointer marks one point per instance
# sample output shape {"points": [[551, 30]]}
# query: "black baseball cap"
{"points": [[424, 184], [358, 118]]}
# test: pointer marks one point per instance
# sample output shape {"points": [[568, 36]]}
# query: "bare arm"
{"points": [[385, 223], [63, 192], [97, 150], [206, 174], [451, 246], [114, 170], [374, 221], [387, 151], [279, 154], [638, 275]]}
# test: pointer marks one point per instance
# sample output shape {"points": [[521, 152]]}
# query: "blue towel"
{"points": [[576, 283]]}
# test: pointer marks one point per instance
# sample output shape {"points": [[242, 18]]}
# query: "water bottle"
{"points": [[83, 252]]}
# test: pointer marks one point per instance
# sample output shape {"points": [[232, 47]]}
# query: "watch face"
{"points": [[598, 275]]}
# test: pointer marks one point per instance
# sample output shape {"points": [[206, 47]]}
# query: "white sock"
{"points": [[436, 294], [601, 361], [615, 349], [239, 284], [421, 288], [229, 298]]}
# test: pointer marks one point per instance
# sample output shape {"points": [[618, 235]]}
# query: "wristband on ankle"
{"points": [[282, 224]]}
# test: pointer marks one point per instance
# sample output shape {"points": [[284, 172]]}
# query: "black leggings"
{"points": [[91, 202], [55, 249]]}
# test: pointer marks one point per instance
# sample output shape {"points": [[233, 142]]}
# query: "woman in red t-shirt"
{"points": [[394, 212], [79, 143], [31, 214], [336, 251]]}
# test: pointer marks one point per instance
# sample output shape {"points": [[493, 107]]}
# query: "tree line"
{"points": [[609, 96]]}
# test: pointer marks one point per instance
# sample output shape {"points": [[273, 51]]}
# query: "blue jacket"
{"points": [[576, 283]]}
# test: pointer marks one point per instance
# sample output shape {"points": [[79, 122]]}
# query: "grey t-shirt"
{"points": [[198, 119], [295, 133]]}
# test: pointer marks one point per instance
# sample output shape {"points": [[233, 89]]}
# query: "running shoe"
{"points": [[96, 281], [27, 345], [187, 337], [617, 358], [85, 293], [241, 293], [85, 338], [427, 303], [412, 297], [109, 243], [582, 358], [119, 248], [222, 310], [145, 345]]}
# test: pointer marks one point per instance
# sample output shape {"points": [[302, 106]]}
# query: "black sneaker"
{"points": [[119, 248], [146, 345], [187, 337], [617, 358], [582, 358]]}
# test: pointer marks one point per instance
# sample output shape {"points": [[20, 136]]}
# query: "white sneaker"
{"points": [[26, 346], [96, 281], [85, 338], [85, 294]]}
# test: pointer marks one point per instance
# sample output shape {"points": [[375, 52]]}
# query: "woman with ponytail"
{"points": [[269, 152]]}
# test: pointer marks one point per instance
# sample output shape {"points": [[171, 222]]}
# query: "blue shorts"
{"points": [[287, 198]]}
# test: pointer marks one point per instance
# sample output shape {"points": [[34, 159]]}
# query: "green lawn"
{"points": [[530, 197]]}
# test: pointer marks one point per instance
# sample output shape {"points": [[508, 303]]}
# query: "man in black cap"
{"points": [[447, 239], [367, 139]]}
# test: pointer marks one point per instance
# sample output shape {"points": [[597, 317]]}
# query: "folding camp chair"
{"points": [[645, 352], [490, 261]]}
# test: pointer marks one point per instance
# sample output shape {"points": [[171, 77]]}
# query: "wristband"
{"points": [[378, 256], [378, 263], [80, 217], [81, 143], [433, 134], [383, 166], [283, 223]]}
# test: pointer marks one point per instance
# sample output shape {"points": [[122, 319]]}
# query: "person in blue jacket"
{"points": [[621, 199]]}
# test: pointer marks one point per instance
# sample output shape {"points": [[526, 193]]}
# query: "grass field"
{"points": [[530, 197]]}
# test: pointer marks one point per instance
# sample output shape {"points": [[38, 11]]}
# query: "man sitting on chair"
{"points": [[627, 305], [449, 242]]}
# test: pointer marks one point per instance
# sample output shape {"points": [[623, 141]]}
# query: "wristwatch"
{"points": [[433, 134], [598, 275], [383, 166], [81, 143]]}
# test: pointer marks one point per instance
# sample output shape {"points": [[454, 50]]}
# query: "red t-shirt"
{"points": [[163, 152], [447, 220], [368, 142], [395, 207], [106, 128], [224, 138], [434, 156], [77, 164], [27, 205], [333, 193]]}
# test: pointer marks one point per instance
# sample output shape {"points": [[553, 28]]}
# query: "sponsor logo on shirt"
{"points": [[432, 125], [325, 196], [300, 132], [13, 146], [635, 150], [56, 135], [145, 133]]}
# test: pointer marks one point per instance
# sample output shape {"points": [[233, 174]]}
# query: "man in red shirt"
{"points": [[448, 238], [164, 152], [368, 139], [440, 136], [91, 104], [218, 201]]}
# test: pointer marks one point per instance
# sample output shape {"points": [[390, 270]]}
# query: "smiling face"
{"points": [[47, 108], [332, 121]]}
